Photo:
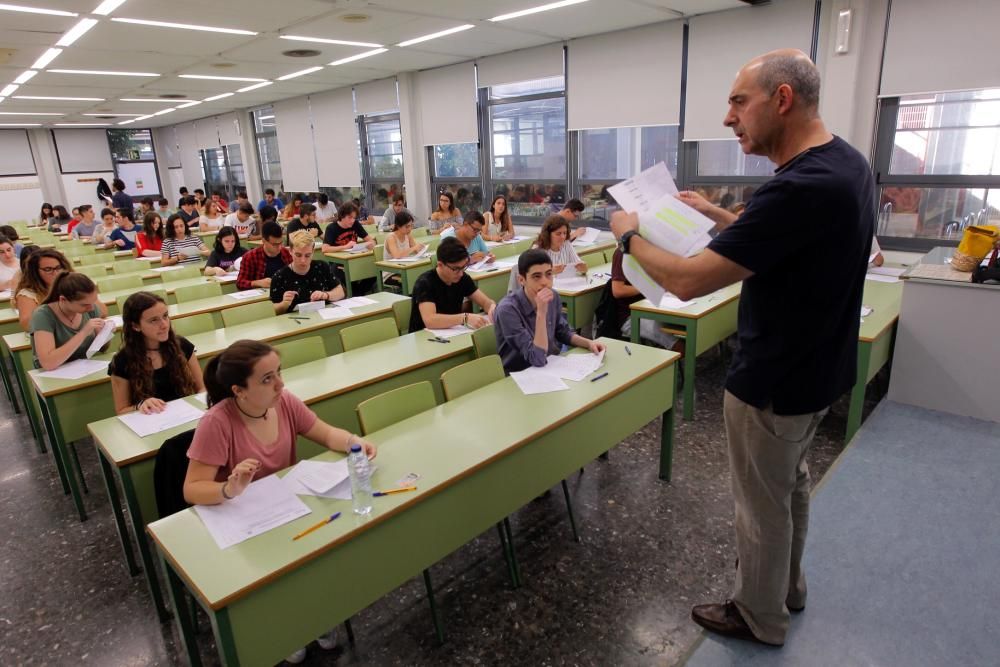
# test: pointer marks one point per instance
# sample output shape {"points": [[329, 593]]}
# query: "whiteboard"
{"points": [[15, 154], [140, 178]]}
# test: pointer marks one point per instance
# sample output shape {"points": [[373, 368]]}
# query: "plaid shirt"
{"points": [[253, 264]]}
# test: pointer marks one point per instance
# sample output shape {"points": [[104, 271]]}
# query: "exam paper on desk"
{"points": [[176, 413], [246, 294], [74, 370], [356, 302], [266, 504], [450, 332], [324, 479], [533, 380]]}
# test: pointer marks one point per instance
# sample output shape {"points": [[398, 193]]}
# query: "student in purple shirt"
{"points": [[529, 322]]}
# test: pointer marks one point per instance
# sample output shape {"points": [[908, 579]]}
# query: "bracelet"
{"points": [[224, 494]]}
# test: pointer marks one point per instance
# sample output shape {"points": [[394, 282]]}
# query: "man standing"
{"points": [[801, 249]]}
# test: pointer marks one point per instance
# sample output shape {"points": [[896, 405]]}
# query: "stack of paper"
{"points": [[669, 302], [879, 278], [325, 479], [535, 381], [886, 271], [483, 264], [246, 294], [75, 370], [310, 306], [162, 269], [228, 278], [450, 332], [589, 237], [101, 339], [176, 413], [358, 247], [356, 302], [335, 313], [266, 504], [571, 283], [573, 367]]}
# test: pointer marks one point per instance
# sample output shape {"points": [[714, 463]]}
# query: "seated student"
{"points": [[221, 202], [63, 327], [306, 220], [39, 270], [270, 200], [439, 294], [529, 323], [346, 231], [211, 219], [179, 244], [241, 198], [470, 234], [305, 279], [123, 237], [153, 365], [243, 222], [400, 242], [11, 234], [10, 267], [225, 252], [183, 195], [199, 200], [250, 431], [625, 295], [163, 208], [86, 225], [149, 242], [554, 239], [258, 265], [60, 219], [102, 232], [389, 216], [188, 211], [363, 213], [447, 214], [326, 212], [499, 225], [570, 212], [292, 210], [145, 206], [43, 215]]}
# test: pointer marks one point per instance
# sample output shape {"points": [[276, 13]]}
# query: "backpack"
{"points": [[606, 324]]}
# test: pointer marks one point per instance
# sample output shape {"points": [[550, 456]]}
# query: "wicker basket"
{"points": [[962, 262]]}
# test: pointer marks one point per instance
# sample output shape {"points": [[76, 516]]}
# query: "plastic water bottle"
{"points": [[361, 480]]}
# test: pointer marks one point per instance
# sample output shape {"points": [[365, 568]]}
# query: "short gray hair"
{"points": [[798, 72]]}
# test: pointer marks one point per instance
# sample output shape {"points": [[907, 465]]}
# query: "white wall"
{"points": [[77, 192], [20, 198]]}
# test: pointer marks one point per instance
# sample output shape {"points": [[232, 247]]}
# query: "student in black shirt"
{"points": [[188, 211], [801, 249], [345, 231], [306, 220], [225, 252], [439, 294], [305, 279]]}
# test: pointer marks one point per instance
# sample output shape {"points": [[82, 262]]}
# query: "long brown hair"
{"points": [[233, 366], [506, 224], [31, 276], [71, 285], [138, 368], [147, 226], [551, 224]]}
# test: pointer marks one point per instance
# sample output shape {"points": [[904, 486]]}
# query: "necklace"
{"points": [[247, 414], [63, 313]]}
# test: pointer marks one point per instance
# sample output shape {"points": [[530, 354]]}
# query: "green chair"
{"points": [[470, 376], [115, 283], [401, 311], [193, 324], [129, 265], [248, 312], [195, 292], [594, 259], [120, 300], [367, 333], [298, 352], [185, 273], [94, 272], [84, 260], [609, 255], [484, 341], [421, 231]]}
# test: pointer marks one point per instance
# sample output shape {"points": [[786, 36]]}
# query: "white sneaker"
{"points": [[297, 657], [328, 640]]}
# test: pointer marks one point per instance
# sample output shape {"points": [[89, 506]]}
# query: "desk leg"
{"points": [[690, 361], [116, 508], [667, 440], [348, 289], [636, 321], [378, 280], [20, 377], [7, 386], [858, 391], [185, 624], [132, 501], [59, 450], [571, 314], [224, 638]]}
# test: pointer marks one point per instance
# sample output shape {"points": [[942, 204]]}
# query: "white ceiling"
{"points": [[169, 52]]}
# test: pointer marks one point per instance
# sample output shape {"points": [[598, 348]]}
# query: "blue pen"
{"points": [[317, 526], [602, 375]]}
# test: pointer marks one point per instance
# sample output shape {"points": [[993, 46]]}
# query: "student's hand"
{"points": [[694, 200], [558, 268], [581, 267], [288, 297], [120, 243], [542, 299], [314, 232], [152, 406], [94, 325], [577, 233], [490, 258], [879, 259], [476, 257], [263, 282], [369, 448], [506, 236], [489, 313], [477, 321], [596, 347], [241, 476], [622, 222], [317, 296], [370, 243]]}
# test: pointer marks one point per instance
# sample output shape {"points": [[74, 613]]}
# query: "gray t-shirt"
{"points": [[44, 319]]}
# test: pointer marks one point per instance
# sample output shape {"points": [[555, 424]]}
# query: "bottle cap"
{"points": [[355, 448]]}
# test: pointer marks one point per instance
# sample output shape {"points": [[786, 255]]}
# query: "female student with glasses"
{"points": [[40, 271]]}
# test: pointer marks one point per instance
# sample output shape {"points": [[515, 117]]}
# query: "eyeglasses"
{"points": [[458, 269], [51, 269]]}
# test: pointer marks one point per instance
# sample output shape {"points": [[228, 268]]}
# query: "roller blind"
{"points": [[229, 129], [206, 133], [719, 44], [295, 145], [376, 96], [447, 100], [936, 47], [82, 150], [336, 139], [645, 62], [539, 62], [15, 153], [166, 145], [190, 159]]}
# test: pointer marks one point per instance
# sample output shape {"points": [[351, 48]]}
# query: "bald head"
{"points": [[791, 67]]}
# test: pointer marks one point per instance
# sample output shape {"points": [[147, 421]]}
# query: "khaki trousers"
{"points": [[770, 481]]}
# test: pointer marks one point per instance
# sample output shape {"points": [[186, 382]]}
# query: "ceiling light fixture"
{"points": [[192, 103], [144, 117], [36, 10], [186, 26], [9, 90], [46, 58], [62, 99], [351, 59], [29, 113], [107, 7], [217, 97], [76, 32], [126, 122], [219, 78], [160, 113], [320, 40], [121, 115], [302, 72], [254, 87], [435, 35], [535, 10], [149, 99], [25, 76], [101, 72], [81, 124], [20, 124]]}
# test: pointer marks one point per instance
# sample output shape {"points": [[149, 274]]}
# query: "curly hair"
{"points": [[551, 224], [138, 368]]}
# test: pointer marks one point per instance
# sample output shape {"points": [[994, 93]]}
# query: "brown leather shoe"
{"points": [[724, 619]]}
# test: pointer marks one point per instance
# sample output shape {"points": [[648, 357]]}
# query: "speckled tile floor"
{"points": [[622, 596]]}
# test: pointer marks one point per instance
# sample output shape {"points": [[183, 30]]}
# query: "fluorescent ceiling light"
{"points": [[535, 10], [219, 78], [20, 124], [321, 40], [63, 99], [76, 32], [123, 115], [301, 72], [351, 59], [254, 87], [46, 58], [9, 90], [149, 99], [126, 122], [217, 97], [107, 7], [186, 26], [36, 10], [435, 35], [144, 117], [25, 76], [29, 113], [81, 124], [190, 104], [160, 113], [101, 72]]}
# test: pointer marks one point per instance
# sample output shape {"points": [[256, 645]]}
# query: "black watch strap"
{"points": [[626, 240]]}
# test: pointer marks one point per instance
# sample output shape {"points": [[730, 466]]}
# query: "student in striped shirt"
{"points": [[180, 245]]}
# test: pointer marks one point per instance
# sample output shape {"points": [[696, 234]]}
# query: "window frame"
{"points": [[152, 143], [275, 185], [369, 182]]}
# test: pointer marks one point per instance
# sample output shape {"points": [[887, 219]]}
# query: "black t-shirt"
{"points": [[805, 235], [273, 264], [163, 387], [319, 278], [192, 217], [296, 225], [225, 260], [338, 236], [447, 298]]}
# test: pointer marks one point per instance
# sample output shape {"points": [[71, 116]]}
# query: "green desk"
{"points": [[271, 595], [356, 266], [707, 321], [332, 386], [875, 342], [9, 324], [111, 298], [408, 272], [580, 302], [67, 406]]}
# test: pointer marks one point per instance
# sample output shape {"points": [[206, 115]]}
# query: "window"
{"points": [[726, 158], [266, 140], [455, 169], [382, 163], [937, 164], [131, 145], [223, 169], [134, 161]]}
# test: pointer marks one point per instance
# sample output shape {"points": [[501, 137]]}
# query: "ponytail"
{"points": [[233, 366]]}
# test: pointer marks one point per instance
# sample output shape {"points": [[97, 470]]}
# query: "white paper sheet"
{"points": [[483, 264], [358, 247], [101, 339], [670, 302], [310, 306], [116, 320], [5, 294], [450, 332], [177, 412], [535, 381], [75, 370], [866, 311], [571, 283], [202, 397], [589, 237], [356, 302], [148, 259], [317, 478], [246, 294], [573, 367], [228, 278], [335, 313], [880, 278], [162, 269], [637, 193], [886, 271], [496, 265], [266, 504]]}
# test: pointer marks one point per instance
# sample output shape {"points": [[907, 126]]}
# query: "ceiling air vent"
{"points": [[302, 53], [172, 96], [354, 18]]}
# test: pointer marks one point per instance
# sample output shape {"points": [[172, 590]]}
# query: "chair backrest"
{"points": [[379, 252], [386, 409], [401, 311], [303, 350], [484, 341], [195, 292], [121, 299], [470, 376], [128, 265], [609, 255], [84, 260], [193, 324], [366, 333], [593, 259], [169, 471], [93, 271], [248, 312], [183, 273], [115, 283], [421, 231]]}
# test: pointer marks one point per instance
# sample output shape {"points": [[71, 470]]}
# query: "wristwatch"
{"points": [[626, 239]]}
